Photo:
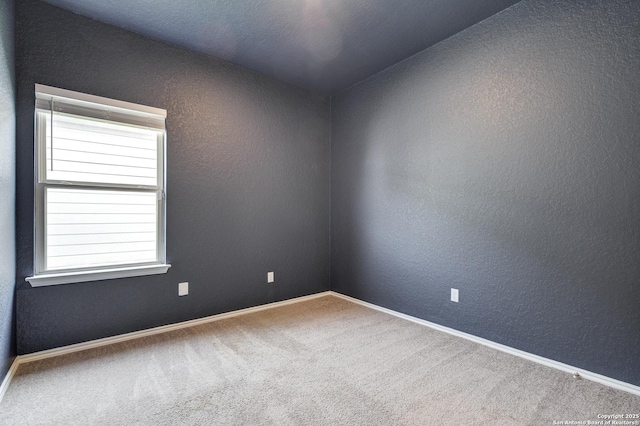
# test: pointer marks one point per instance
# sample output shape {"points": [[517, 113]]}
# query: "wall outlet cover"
{"points": [[455, 295], [270, 277], [183, 289]]}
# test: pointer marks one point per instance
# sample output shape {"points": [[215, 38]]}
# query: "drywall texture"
{"points": [[502, 162], [7, 185], [247, 180], [324, 45]]}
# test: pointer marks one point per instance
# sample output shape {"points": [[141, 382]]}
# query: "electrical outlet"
{"points": [[183, 289], [454, 295], [270, 277]]}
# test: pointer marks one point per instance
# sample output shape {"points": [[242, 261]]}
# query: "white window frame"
{"points": [[126, 112]]}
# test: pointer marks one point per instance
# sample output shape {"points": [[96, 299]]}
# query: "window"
{"points": [[99, 199]]}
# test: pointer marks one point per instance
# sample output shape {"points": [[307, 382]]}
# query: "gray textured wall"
{"points": [[247, 182], [502, 162], [7, 184]]}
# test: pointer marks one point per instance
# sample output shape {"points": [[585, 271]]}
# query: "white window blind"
{"points": [[87, 228], [99, 183], [87, 150]]}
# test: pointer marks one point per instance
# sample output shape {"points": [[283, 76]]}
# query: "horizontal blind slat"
{"points": [[99, 260], [100, 148], [81, 208], [132, 163], [90, 177], [82, 250], [90, 229], [81, 195], [103, 238]]}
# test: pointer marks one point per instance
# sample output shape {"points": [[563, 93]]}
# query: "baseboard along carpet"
{"points": [[325, 361]]}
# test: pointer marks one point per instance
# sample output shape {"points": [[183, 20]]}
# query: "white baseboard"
{"points": [[7, 379], [607, 381], [595, 377], [35, 356]]}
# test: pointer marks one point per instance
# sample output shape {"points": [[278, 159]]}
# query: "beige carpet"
{"points": [[320, 362]]}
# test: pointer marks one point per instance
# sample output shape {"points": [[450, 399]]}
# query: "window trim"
{"points": [[152, 115], [93, 99], [96, 275]]}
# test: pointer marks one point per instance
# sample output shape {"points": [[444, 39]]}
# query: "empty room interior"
{"points": [[325, 212]]}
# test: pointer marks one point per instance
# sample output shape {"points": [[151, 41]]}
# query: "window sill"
{"points": [[95, 275]]}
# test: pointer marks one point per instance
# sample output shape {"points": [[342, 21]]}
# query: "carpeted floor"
{"points": [[325, 361]]}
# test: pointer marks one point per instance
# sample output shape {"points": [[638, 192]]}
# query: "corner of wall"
{"points": [[7, 185]]}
